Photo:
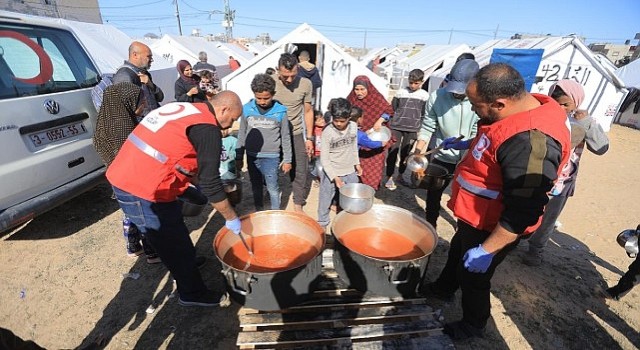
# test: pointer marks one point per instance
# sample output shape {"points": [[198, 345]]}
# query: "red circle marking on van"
{"points": [[46, 67]]}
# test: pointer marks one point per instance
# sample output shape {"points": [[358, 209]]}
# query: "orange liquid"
{"points": [[381, 244], [271, 253]]}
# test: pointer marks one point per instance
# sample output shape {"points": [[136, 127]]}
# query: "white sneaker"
{"points": [[390, 184]]}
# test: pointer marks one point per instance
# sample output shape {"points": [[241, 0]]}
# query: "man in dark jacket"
{"points": [[310, 71], [136, 70], [202, 65]]}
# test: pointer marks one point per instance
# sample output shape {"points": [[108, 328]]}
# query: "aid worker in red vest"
{"points": [[500, 187], [165, 152]]}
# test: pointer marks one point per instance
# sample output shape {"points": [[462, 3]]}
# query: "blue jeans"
{"points": [[264, 169], [163, 225]]}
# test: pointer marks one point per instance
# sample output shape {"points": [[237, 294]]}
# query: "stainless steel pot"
{"points": [[384, 276], [254, 284], [356, 198], [193, 201], [434, 178]]}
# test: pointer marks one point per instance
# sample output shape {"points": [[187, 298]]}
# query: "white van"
{"points": [[46, 119]]}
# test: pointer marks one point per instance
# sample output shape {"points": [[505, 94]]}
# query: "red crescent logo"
{"points": [[46, 67], [180, 109]]}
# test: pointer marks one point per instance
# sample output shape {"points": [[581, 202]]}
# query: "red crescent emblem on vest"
{"points": [[46, 67], [180, 109]]}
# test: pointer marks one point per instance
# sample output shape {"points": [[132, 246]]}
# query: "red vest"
{"points": [[476, 196], [157, 161]]}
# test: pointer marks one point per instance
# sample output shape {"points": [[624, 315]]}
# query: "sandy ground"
{"points": [[62, 284]]}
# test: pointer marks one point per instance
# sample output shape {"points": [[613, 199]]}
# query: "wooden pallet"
{"points": [[337, 317]]}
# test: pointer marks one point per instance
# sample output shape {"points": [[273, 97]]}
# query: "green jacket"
{"points": [[448, 117]]}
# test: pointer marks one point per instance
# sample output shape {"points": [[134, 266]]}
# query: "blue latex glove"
{"points": [[234, 225], [477, 259], [451, 143]]}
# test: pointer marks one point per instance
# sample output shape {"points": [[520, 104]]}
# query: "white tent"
{"points": [[630, 76], [429, 59], [175, 48], [337, 68], [241, 54], [563, 58]]}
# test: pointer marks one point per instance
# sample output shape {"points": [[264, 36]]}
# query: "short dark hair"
{"points": [[499, 80], [356, 113], [263, 82], [466, 56], [340, 108], [270, 71], [288, 61], [206, 74], [416, 75], [557, 93]]}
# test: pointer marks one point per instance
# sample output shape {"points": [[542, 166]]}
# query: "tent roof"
{"points": [[630, 74], [239, 53], [188, 47]]}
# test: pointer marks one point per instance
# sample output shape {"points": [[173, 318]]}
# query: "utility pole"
{"points": [[178, 17], [495, 34], [365, 39], [227, 22]]}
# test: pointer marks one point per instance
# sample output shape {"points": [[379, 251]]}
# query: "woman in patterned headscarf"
{"points": [[122, 104], [374, 106]]}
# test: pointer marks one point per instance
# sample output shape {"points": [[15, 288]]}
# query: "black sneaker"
{"points": [[431, 290], [461, 330], [208, 299], [134, 248]]}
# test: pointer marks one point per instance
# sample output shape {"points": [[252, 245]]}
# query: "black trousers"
{"points": [[476, 287], [432, 206], [403, 145], [628, 280], [300, 181]]}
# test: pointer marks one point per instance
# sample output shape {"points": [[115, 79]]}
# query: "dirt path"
{"points": [[62, 285]]}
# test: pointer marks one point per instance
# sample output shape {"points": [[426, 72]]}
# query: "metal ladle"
{"points": [[246, 266]]}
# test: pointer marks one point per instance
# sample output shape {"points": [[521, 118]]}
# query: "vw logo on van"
{"points": [[52, 106]]}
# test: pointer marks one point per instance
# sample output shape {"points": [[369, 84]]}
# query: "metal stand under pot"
{"points": [[384, 251]]}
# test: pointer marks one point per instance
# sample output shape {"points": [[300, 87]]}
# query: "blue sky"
{"points": [[385, 23]]}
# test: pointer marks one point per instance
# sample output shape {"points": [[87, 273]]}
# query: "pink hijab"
{"points": [[571, 88]]}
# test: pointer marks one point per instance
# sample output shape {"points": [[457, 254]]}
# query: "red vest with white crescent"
{"points": [[157, 162], [476, 192]]}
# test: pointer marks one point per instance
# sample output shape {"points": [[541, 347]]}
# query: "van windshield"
{"points": [[37, 60]]}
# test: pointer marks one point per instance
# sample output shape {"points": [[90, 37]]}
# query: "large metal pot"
{"points": [[433, 178], [356, 198], [287, 258], [384, 251]]}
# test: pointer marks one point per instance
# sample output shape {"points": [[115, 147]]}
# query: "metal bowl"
{"points": [[233, 189], [416, 162], [193, 201], [383, 134], [356, 198]]}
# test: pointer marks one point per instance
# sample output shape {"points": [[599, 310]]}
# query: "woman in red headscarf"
{"points": [[375, 111], [187, 86]]}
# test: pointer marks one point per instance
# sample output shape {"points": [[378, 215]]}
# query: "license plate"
{"points": [[45, 137]]}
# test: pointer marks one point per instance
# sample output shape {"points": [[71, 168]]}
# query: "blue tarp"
{"points": [[525, 61]]}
